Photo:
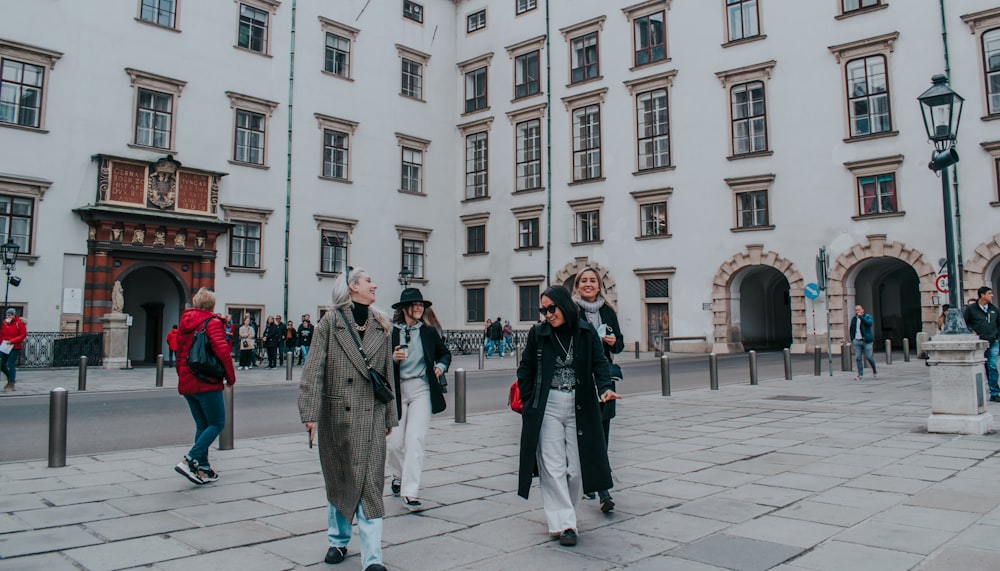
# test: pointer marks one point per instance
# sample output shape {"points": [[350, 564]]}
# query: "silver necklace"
{"points": [[566, 352]]}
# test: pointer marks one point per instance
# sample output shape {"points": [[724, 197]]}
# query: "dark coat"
{"points": [[594, 379], [609, 317], [435, 351], [984, 323], [272, 335], [334, 390], [866, 328]]}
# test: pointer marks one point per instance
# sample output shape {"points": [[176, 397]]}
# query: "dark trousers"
{"points": [[246, 357], [272, 354], [8, 364], [209, 412]]}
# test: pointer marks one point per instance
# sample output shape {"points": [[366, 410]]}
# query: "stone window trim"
{"points": [[979, 23], [412, 54], [595, 97], [251, 103], [475, 282], [991, 147], [528, 280], [337, 124], [418, 235], [738, 185], [327, 223], [476, 219], [756, 72], [651, 196], [160, 83], [583, 28], [882, 45], [526, 46], [663, 80], [478, 126], [174, 28], [26, 187], [586, 204], [527, 113], [251, 214], [641, 10], [867, 9], [475, 63], [343, 30], [34, 55], [269, 6], [526, 212], [870, 167], [412, 142]]}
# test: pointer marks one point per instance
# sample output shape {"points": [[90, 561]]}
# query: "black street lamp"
{"points": [[8, 252], [942, 110], [405, 276]]}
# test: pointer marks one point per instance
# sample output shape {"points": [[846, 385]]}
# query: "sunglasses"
{"points": [[551, 309]]}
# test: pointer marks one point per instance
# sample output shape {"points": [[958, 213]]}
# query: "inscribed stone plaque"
{"points": [[128, 183], [192, 192]]}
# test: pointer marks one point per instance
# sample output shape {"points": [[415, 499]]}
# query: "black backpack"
{"points": [[202, 360]]}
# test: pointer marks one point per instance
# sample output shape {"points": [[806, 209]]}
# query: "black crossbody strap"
{"points": [[357, 341]]}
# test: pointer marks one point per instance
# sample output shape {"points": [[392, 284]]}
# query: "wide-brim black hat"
{"points": [[410, 295]]}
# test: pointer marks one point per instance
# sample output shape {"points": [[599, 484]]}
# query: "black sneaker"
{"points": [[567, 538], [412, 504], [396, 486], [189, 469], [376, 567], [607, 504], [335, 555], [208, 474], [995, 398]]}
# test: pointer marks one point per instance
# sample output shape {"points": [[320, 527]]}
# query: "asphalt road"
{"points": [[107, 422]]}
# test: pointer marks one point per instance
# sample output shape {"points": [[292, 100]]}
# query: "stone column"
{"points": [[958, 403], [115, 340]]}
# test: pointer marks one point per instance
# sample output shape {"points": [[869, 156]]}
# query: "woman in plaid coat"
{"points": [[350, 423]]}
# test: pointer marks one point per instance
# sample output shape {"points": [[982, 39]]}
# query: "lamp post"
{"points": [[8, 252], [942, 110], [405, 276]]}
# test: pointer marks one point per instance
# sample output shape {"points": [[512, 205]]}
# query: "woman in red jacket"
{"points": [[12, 335], [204, 396], [172, 345]]}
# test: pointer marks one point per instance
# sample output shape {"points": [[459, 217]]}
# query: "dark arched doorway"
{"points": [[765, 313], [155, 299], [888, 289]]}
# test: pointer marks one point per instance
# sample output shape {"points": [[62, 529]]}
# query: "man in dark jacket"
{"points": [[861, 340], [981, 317], [496, 337], [305, 332]]}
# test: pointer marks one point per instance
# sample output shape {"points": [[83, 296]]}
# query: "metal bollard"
{"points": [[460, 396], [226, 436], [159, 370], [906, 350], [888, 351], [481, 357], [665, 375], [58, 404], [288, 366], [788, 363], [845, 357], [517, 354], [637, 350], [817, 361], [81, 381], [713, 371], [753, 367]]}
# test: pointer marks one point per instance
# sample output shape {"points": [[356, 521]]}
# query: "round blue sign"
{"points": [[812, 291]]}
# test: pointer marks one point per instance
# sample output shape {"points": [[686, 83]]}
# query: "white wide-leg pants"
{"points": [[405, 446], [559, 462]]}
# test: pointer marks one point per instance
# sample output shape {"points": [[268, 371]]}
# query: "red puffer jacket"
{"points": [[191, 321], [15, 332]]}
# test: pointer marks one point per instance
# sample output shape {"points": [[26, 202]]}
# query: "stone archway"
{"points": [[726, 335], [570, 270], [843, 268], [981, 269]]}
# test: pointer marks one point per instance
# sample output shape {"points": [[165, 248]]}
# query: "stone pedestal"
{"points": [[958, 400], [115, 340]]}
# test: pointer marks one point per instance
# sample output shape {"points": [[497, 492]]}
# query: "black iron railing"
{"points": [[465, 342], [54, 349]]}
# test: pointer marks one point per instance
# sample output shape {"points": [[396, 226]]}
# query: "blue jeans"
{"points": [[304, 352], [991, 367], [8, 364], [338, 534], [863, 349], [209, 412]]}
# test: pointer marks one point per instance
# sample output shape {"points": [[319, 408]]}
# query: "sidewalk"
{"points": [[817, 473]]}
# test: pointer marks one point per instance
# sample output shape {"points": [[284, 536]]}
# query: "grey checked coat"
{"points": [[352, 424]]}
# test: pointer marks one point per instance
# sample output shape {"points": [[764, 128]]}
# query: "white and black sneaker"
{"points": [[412, 504], [189, 469], [207, 474]]}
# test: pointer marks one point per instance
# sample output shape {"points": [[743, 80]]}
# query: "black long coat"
{"points": [[593, 379], [609, 317], [435, 351]]}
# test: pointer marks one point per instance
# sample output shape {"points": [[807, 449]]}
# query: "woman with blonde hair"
{"points": [[596, 309], [337, 403]]}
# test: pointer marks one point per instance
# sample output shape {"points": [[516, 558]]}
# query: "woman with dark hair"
{"points": [[562, 376], [589, 295], [272, 337]]}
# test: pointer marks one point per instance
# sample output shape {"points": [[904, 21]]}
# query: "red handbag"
{"points": [[514, 398]]}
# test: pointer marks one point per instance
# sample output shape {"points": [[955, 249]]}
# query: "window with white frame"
{"points": [[477, 165], [529, 155], [475, 21], [652, 212], [523, 6], [245, 237], [159, 12], [751, 208], [585, 113], [412, 64], [475, 90], [337, 53], [475, 232], [528, 220], [154, 109], [412, 151], [253, 30], [18, 210], [586, 220], [985, 27], [743, 19], [584, 52], [652, 129], [865, 65], [337, 135], [334, 243], [876, 186], [413, 246], [24, 72], [526, 77], [250, 128], [747, 108], [413, 11]]}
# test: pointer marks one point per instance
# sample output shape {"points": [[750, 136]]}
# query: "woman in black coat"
{"points": [[589, 295], [561, 374], [272, 338]]}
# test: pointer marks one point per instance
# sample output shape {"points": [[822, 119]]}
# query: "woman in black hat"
{"points": [[420, 357]]}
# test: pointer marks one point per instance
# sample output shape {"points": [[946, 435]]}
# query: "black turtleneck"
{"points": [[360, 314], [565, 334]]}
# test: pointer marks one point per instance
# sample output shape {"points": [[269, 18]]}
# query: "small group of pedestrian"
{"points": [[494, 337], [981, 316]]}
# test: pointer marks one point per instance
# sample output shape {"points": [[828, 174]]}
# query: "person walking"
{"points": [[508, 337], [280, 347], [203, 395], [291, 339], [12, 335], [590, 297], [337, 405], [305, 332], [419, 359], [861, 341], [272, 338], [247, 343], [487, 344], [981, 317], [562, 376], [172, 345], [496, 337]]}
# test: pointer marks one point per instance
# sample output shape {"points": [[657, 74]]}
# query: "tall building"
{"points": [[699, 154]]}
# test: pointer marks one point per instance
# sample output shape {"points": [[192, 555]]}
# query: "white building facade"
{"points": [[699, 154]]}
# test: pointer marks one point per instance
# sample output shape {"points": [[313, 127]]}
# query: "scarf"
{"points": [[592, 309]]}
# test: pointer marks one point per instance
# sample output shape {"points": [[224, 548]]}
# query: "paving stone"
{"points": [[297, 501], [298, 523], [979, 536], [723, 509], [895, 536], [914, 472], [296, 483], [720, 477], [674, 488], [667, 524], [44, 562], [860, 498], [214, 514], [737, 552], [129, 553], [153, 503], [229, 492], [455, 493], [766, 495], [242, 558], [799, 481], [139, 525], [475, 511], [838, 556], [66, 515], [931, 518], [15, 503], [307, 549], [825, 513], [546, 556], [953, 557], [45, 540], [674, 465], [662, 562], [786, 531], [228, 535], [505, 535], [85, 494]]}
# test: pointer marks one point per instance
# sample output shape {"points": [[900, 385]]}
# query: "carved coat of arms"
{"points": [[162, 182]]}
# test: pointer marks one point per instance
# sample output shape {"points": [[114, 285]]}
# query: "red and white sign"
{"points": [[941, 283]]}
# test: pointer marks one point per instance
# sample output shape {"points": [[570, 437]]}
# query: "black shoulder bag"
{"points": [[202, 361], [383, 393]]}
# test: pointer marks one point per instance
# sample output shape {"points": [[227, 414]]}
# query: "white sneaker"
{"points": [[189, 469]]}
